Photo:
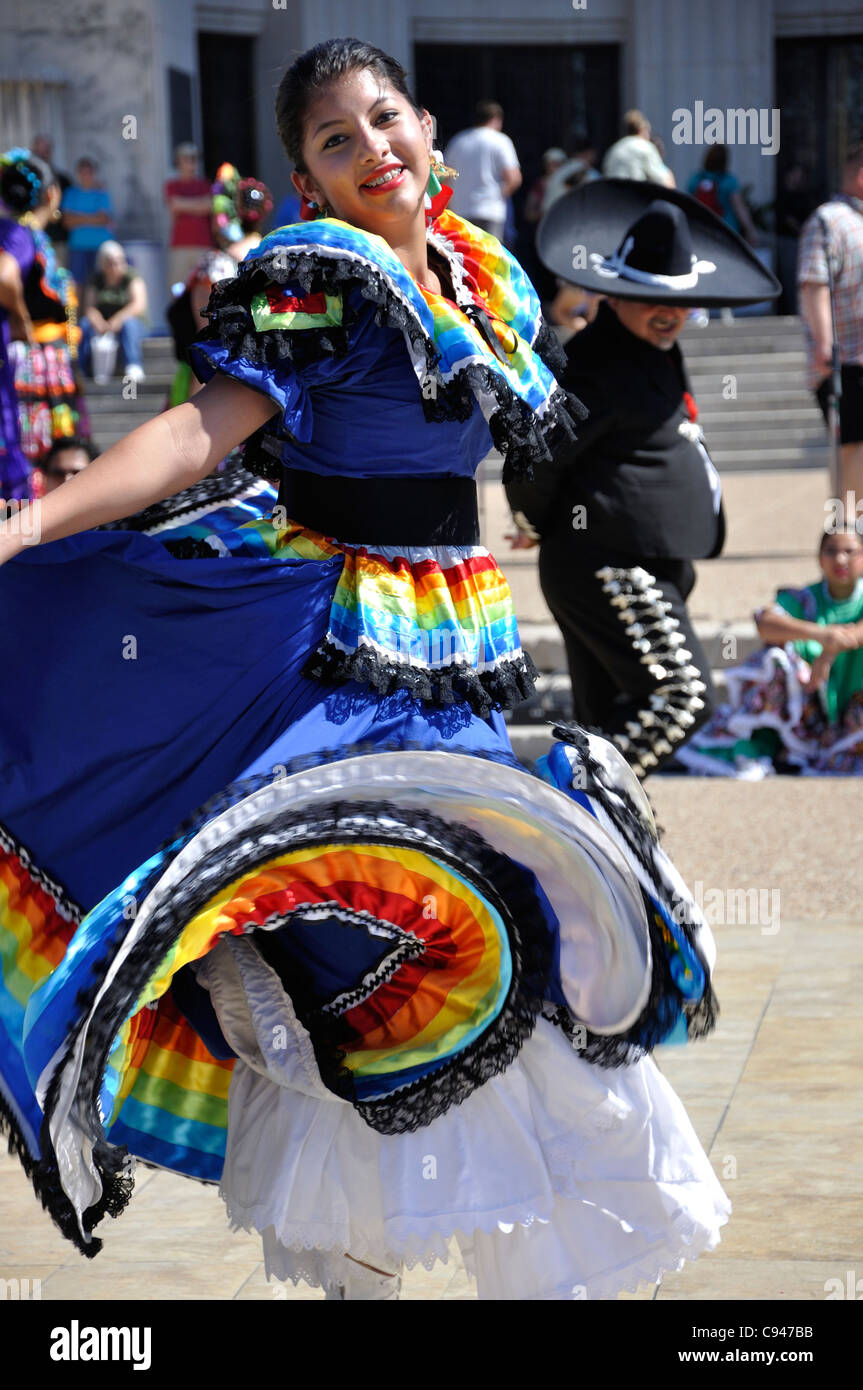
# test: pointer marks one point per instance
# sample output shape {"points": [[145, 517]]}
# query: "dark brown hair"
{"points": [[716, 159], [854, 155], [61, 445], [314, 70], [849, 530], [488, 111]]}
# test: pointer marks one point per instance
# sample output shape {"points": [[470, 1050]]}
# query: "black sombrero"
{"points": [[638, 240]]}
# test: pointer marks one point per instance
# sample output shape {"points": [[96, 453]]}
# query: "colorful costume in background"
{"points": [[49, 395], [240, 206], [379, 943], [14, 464], [770, 721], [184, 322]]}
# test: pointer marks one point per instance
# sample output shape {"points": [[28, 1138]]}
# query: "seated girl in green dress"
{"points": [[797, 705]]}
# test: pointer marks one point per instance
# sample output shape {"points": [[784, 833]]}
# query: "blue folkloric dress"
{"points": [[379, 943]]}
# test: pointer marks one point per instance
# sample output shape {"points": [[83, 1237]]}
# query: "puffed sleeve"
{"points": [[534, 501], [279, 340], [18, 241], [797, 603]]}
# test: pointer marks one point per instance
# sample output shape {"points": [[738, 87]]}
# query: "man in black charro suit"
{"points": [[623, 513]]}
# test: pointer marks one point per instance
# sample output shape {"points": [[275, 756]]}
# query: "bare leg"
{"points": [[851, 468]]}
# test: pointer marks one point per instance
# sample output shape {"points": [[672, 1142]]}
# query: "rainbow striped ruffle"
{"points": [[416, 909], [435, 620], [413, 953], [37, 922], [410, 955]]}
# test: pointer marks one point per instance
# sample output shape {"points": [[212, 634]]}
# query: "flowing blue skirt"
{"points": [[419, 902]]}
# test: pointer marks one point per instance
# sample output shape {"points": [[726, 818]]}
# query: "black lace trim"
{"points": [[66, 905], [233, 792], [506, 885], [42, 1172], [112, 1161], [233, 484], [192, 548], [502, 688], [253, 845], [16, 1143], [509, 887], [520, 435], [700, 1015], [547, 345], [658, 1016]]}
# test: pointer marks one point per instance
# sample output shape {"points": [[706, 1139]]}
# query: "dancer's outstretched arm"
{"points": [[156, 460]]}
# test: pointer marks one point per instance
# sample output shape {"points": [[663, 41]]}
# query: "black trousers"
{"points": [[850, 406], [639, 673]]}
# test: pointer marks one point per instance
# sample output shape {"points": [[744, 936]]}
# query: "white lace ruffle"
{"points": [[557, 1179]]}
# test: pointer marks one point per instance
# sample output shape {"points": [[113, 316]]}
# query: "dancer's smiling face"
{"points": [[657, 324], [357, 130]]}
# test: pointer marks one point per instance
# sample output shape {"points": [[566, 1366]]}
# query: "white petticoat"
{"points": [[558, 1179]]}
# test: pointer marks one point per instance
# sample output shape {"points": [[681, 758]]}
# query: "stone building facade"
{"points": [[123, 79]]}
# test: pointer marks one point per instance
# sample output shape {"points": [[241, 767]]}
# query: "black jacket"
{"points": [[642, 481]]}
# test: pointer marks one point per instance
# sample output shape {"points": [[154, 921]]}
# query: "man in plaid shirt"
{"points": [[843, 216]]}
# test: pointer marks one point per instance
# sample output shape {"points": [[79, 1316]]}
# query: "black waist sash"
{"points": [[383, 511]]}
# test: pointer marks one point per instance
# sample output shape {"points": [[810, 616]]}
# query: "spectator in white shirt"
{"points": [[635, 156], [488, 170]]}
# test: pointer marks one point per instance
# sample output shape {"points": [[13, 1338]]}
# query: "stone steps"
{"points": [[704, 364], [753, 414], [725, 644], [112, 416], [753, 389], [553, 700], [772, 423]]}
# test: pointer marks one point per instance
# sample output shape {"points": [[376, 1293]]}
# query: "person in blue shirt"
{"points": [[720, 191], [89, 216]]}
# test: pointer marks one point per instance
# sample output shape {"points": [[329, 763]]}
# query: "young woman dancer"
{"points": [[385, 986]]}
